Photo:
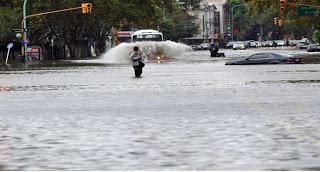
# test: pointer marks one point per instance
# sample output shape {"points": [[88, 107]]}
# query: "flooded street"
{"points": [[192, 113]]}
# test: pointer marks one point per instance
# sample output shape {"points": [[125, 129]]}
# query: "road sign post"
{"points": [[9, 46]]}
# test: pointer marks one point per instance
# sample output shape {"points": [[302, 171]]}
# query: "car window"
{"points": [[258, 56]]}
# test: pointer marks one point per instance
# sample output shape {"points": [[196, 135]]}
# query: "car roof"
{"points": [[274, 54]]}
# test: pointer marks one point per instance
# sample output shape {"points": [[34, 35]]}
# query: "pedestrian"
{"points": [[137, 61]]}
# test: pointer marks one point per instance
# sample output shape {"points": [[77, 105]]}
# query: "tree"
{"points": [[178, 24], [316, 36], [10, 18], [80, 31], [294, 26]]}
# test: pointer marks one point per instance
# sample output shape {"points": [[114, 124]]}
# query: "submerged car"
{"points": [[267, 58]]}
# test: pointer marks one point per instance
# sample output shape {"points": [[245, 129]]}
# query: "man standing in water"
{"points": [[137, 61]]}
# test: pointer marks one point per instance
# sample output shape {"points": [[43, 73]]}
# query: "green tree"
{"points": [[78, 31], [316, 36], [294, 26], [10, 17]]}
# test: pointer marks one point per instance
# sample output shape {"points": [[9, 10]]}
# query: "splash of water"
{"points": [[120, 53]]}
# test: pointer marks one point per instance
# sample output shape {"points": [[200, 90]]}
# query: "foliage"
{"points": [[77, 30], [294, 26], [316, 36], [9, 20]]}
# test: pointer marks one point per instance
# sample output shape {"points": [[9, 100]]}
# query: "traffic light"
{"points": [[89, 7], [86, 7], [276, 20], [282, 4]]}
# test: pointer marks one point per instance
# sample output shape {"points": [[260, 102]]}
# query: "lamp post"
{"points": [[231, 22]]}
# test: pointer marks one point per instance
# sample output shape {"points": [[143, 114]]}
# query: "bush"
{"points": [[316, 36]]}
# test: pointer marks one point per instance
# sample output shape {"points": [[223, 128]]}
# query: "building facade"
{"points": [[213, 19]]}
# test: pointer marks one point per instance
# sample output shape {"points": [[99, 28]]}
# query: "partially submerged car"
{"points": [[267, 58]]}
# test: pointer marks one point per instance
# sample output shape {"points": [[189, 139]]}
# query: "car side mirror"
{"points": [[247, 59]]}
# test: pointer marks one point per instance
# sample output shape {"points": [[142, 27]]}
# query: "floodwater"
{"points": [[192, 114]]}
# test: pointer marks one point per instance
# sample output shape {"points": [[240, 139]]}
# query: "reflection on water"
{"points": [[178, 116], [285, 81], [46, 87], [4, 88]]}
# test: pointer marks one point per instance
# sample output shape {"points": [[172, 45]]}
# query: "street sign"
{"points": [[34, 54], [306, 11], [25, 42], [18, 30], [10, 45]]}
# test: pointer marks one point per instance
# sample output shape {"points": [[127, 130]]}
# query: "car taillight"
{"points": [[290, 60], [302, 60]]}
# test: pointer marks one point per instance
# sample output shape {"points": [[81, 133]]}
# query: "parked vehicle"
{"points": [[293, 43], [267, 58], [247, 43], [313, 48], [267, 43], [194, 47], [205, 46], [239, 45], [230, 44], [302, 46], [254, 44], [280, 42], [199, 47], [304, 43]]}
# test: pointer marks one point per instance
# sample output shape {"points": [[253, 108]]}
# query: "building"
{"points": [[213, 19]]}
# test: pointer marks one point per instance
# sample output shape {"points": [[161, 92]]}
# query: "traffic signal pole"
{"points": [[50, 12], [24, 21]]}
